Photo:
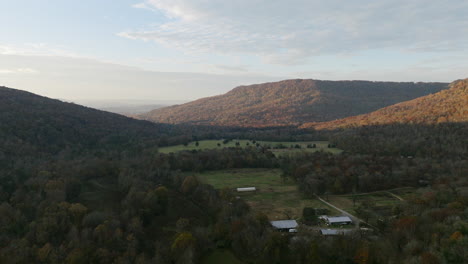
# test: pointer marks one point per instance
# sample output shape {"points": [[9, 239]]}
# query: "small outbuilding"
{"points": [[337, 220], [334, 232], [285, 225], [247, 189]]}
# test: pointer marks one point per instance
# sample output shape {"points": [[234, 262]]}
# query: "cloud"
{"points": [[291, 32], [143, 6], [229, 68], [19, 71], [35, 49]]}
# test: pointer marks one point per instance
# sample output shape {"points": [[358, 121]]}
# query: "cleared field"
{"points": [[279, 148], [378, 199], [276, 198], [409, 193]]}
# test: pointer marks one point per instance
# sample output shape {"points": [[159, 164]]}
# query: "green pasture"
{"points": [[409, 193], [350, 202], [275, 197], [288, 147]]}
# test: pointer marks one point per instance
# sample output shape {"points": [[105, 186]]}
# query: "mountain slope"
{"points": [[78, 185], [291, 102], [445, 106], [35, 124]]}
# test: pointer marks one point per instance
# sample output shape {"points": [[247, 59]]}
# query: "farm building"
{"points": [[284, 225], [334, 232], [247, 189], [337, 220]]}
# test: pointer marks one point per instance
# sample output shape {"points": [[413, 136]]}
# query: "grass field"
{"points": [[274, 197], [379, 199], [290, 146], [409, 193]]}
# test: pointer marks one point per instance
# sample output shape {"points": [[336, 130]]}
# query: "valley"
{"points": [[81, 185], [278, 148], [234, 132]]}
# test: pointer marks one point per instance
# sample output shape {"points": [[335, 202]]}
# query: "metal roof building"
{"points": [[334, 232], [339, 220], [284, 224], [247, 189]]}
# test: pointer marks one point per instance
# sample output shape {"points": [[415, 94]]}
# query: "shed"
{"points": [[334, 232], [339, 220], [247, 189], [284, 225]]}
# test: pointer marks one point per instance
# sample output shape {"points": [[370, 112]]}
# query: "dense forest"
{"points": [[449, 105], [79, 185], [291, 102]]}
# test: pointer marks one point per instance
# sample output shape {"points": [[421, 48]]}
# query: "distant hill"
{"points": [[126, 107], [130, 109], [292, 102], [445, 106]]}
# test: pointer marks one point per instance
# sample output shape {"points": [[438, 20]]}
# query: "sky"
{"points": [[157, 50]]}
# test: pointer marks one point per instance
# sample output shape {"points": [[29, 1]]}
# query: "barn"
{"points": [[337, 220], [247, 189], [285, 225], [334, 232]]}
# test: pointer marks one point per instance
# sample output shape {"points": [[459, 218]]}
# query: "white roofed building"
{"points": [[334, 232], [247, 189], [284, 225], [338, 220]]}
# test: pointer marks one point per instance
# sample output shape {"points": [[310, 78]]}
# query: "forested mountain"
{"points": [[78, 185], [292, 102], [36, 123], [449, 105]]}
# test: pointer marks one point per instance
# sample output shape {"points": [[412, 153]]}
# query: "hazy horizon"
{"points": [[184, 50]]}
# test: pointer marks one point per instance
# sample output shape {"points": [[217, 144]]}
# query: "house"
{"points": [[337, 220], [285, 225], [334, 232], [247, 189]]}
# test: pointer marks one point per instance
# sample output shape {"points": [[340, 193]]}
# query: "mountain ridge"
{"points": [[291, 102], [449, 105]]}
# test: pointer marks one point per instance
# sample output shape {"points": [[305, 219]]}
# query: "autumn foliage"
{"points": [[291, 102]]}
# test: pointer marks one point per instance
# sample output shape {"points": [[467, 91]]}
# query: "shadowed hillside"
{"points": [[78, 185], [291, 102], [39, 124], [446, 106]]}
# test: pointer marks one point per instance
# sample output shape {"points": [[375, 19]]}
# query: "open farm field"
{"points": [[381, 201], [278, 148], [275, 197]]}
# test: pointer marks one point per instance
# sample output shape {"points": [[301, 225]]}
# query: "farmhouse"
{"points": [[338, 220], [285, 225], [247, 189]]}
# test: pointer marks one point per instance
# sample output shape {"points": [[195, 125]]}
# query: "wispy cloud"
{"points": [[291, 32], [144, 5], [229, 68], [19, 71], [35, 49]]}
